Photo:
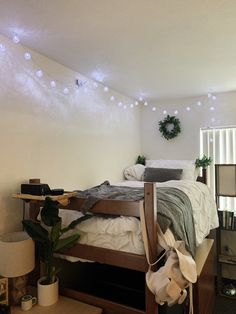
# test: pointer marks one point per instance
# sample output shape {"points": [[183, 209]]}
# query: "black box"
{"points": [[35, 189]]}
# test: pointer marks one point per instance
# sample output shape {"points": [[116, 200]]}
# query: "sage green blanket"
{"points": [[174, 209]]}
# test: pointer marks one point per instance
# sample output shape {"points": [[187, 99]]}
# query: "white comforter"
{"points": [[124, 234]]}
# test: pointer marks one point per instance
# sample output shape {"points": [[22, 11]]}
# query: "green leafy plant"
{"points": [[141, 160], [48, 234], [203, 162]]}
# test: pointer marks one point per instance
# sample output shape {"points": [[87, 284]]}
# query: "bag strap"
{"points": [[145, 239]]}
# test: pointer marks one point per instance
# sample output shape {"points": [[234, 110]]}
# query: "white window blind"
{"points": [[220, 144]]}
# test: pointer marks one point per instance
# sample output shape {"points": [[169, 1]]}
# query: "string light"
{"points": [[15, 39], [39, 73], [27, 56], [2, 47], [66, 90], [53, 84]]}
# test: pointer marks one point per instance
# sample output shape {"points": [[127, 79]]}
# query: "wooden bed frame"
{"points": [[203, 292]]}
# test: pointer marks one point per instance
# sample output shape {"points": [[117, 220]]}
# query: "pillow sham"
{"points": [[188, 166], [161, 174], [134, 173]]}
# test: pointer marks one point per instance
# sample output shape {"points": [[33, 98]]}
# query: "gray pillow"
{"points": [[161, 174]]}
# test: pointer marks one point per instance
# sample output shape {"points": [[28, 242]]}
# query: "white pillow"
{"points": [[134, 173], [188, 167]]}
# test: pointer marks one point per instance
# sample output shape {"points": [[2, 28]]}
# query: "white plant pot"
{"points": [[47, 294]]}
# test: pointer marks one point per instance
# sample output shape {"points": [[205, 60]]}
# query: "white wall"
{"points": [[186, 144], [69, 141]]}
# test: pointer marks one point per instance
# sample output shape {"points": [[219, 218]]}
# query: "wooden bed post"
{"points": [[150, 212]]}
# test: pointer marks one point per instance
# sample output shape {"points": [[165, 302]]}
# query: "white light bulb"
{"points": [[199, 103], [112, 98], [39, 73], [176, 112], [213, 119], [212, 108], [164, 112], [140, 98], [145, 103], [188, 108], [209, 95], [154, 109], [213, 97], [125, 107], [66, 91], [131, 106], [53, 84], [15, 39], [106, 89], [2, 47], [136, 103], [120, 104], [27, 56], [95, 84]]}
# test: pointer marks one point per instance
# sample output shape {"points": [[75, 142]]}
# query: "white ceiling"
{"points": [[158, 48]]}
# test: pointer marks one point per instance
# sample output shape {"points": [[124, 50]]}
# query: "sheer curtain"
{"points": [[220, 144]]}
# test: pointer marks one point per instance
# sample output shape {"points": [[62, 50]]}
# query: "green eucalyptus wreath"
{"points": [[169, 127]]}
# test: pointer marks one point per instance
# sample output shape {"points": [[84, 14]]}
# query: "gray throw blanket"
{"points": [[174, 209]]}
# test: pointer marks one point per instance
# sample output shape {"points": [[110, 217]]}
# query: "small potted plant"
{"points": [[203, 162], [49, 236], [141, 160]]}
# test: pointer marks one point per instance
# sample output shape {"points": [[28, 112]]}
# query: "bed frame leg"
{"points": [[151, 305]]}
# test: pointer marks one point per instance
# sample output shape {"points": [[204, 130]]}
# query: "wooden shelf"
{"points": [[227, 259], [62, 199]]}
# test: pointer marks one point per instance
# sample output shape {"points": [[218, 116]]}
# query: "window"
{"points": [[220, 144]]}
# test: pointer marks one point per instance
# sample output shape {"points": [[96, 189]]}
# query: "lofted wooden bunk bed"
{"points": [[203, 290]]}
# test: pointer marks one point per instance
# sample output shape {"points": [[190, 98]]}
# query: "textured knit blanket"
{"points": [[174, 209]]}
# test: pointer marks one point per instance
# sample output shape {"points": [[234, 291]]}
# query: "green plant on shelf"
{"points": [[141, 160], [203, 162]]}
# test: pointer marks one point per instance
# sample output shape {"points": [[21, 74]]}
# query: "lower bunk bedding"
{"points": [[118, 242]]}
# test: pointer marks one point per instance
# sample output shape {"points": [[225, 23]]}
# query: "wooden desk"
{"points": [[64, 305]]}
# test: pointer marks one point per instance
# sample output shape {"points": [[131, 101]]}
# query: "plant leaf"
{"points": [[56, 231], [50, 212], [66, 243], [75, 223], [35, 231]]}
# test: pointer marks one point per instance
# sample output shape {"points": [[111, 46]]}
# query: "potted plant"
{"points": [[49, 236], [141, 160], [203, 162]]}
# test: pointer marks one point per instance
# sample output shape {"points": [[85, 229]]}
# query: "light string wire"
{"points": [[84, 84]]}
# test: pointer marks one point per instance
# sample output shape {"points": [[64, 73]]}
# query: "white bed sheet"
{"points": [[124, 233]]}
